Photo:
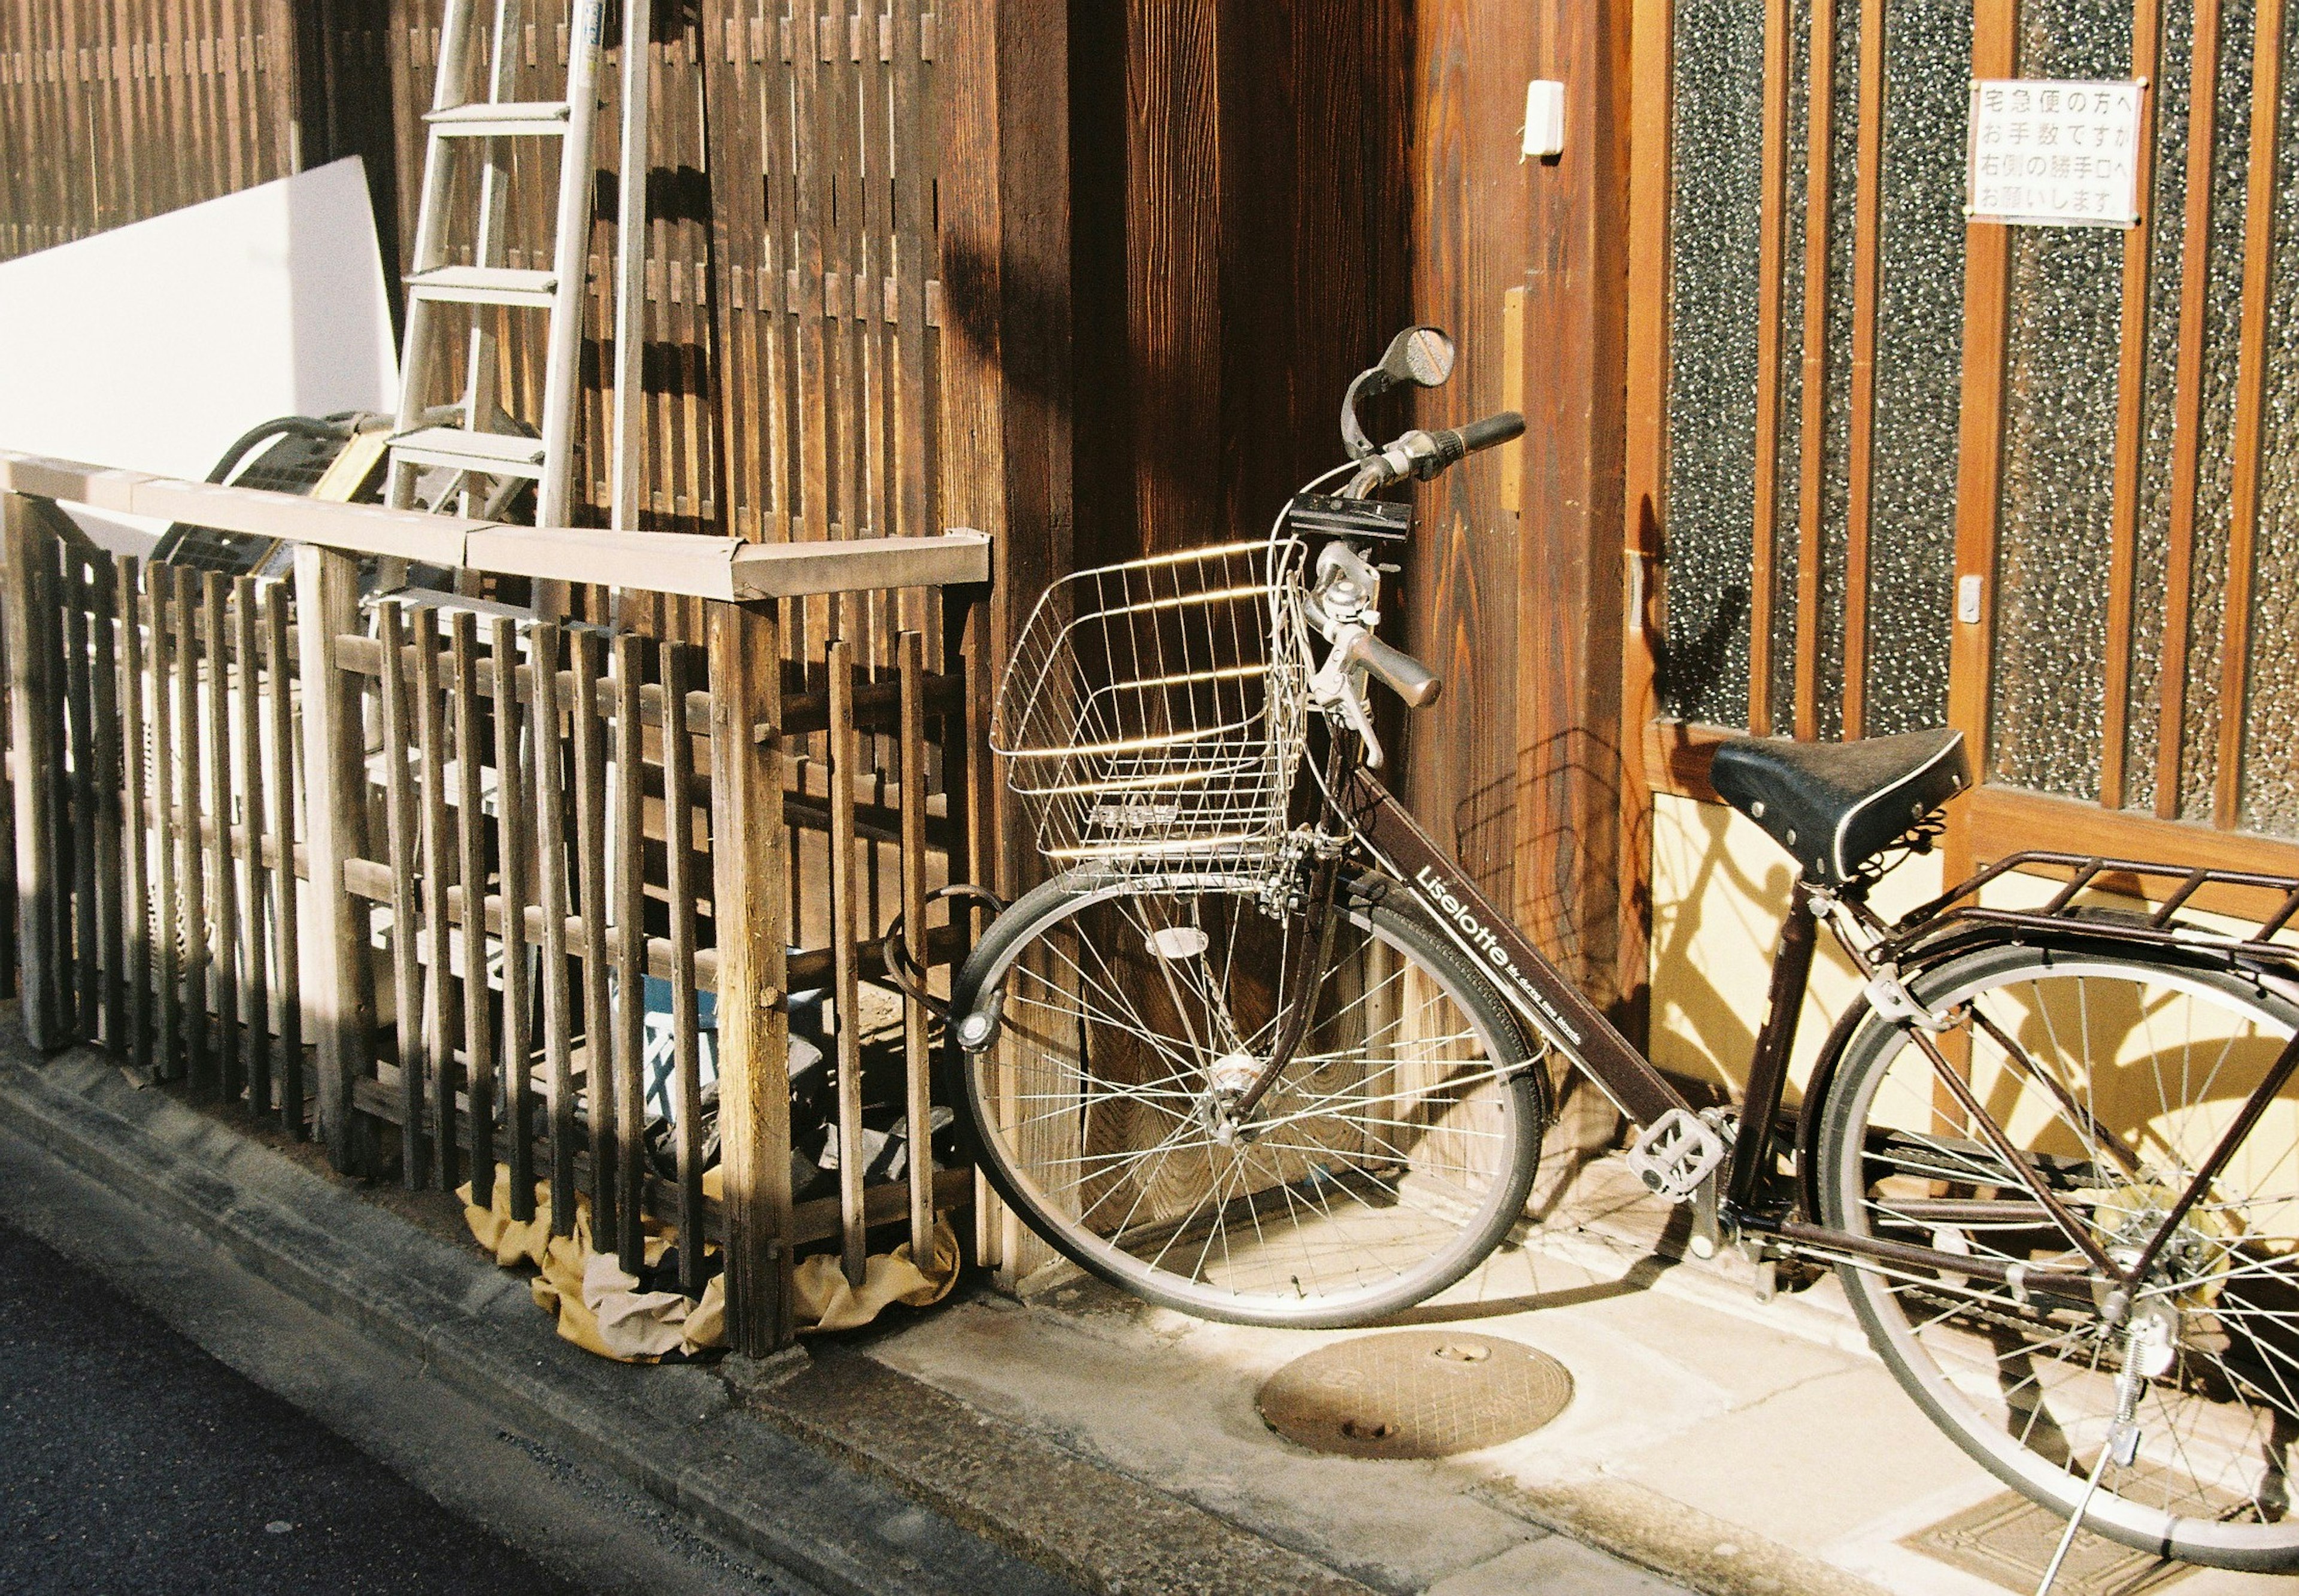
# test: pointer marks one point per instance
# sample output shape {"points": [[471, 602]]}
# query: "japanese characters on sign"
{"points": [[2045, 152]]}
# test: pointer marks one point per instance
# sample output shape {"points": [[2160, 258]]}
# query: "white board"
{"points": [[2054, 154], [153, 346]]}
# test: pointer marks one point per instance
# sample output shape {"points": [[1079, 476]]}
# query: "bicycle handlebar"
{"points": [[1455, 443], [1424, 455]]}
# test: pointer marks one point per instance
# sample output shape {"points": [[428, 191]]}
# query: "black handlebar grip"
{"points": [[1404, 675], [1453, 443]]}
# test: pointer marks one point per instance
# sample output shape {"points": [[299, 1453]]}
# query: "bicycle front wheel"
{"points": [[1387, 1159], [2113, 1079]]}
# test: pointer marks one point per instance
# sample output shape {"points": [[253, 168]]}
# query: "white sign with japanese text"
{"points": [[2056, 154]]}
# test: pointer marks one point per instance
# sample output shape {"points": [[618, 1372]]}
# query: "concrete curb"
{"points": [[675, 1434]]}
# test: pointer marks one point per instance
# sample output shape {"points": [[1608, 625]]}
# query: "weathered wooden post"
{"points": [[30, 620], [336, 983], [750, 894]]}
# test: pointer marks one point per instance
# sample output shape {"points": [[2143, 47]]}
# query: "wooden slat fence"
{"points": [[399, 875]]}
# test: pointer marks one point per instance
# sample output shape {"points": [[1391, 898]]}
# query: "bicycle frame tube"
{"points": [[1768, 1062], [1533, 986]]}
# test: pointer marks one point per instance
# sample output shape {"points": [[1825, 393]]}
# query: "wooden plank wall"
{"points": [[1263, 194], [793, 279], [137, 108]]}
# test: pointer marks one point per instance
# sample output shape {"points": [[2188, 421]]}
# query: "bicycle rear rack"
{"points": [[2174, 886]]}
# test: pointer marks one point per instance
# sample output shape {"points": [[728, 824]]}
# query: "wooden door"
{"points": [[1896, 469]]}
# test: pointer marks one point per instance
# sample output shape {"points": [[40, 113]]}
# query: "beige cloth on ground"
{"points": [[599, 1307], [826, 1302]]}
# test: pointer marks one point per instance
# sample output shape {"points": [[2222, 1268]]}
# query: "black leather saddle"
{"points": [[1835, 806]]}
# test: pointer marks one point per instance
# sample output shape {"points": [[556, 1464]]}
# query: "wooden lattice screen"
{"points": [[791, 300]]}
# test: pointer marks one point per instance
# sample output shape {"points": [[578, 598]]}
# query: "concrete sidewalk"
{"points": [[1081, 1439]]}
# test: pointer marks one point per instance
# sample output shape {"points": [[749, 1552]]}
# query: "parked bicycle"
{"points": [[1262, 1051]]}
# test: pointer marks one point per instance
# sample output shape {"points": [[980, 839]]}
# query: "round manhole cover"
{"points": [[1415, 1394]]}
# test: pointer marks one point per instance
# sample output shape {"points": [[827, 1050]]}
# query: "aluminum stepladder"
{"points": [[466, 439]]}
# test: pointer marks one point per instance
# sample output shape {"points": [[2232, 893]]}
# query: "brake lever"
{"points": [[1353, 708], [1337, 683]]}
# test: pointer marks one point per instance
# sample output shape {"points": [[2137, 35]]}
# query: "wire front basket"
{"points": [[1156, 709]]}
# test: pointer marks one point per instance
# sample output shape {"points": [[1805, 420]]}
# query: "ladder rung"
{"points": [[507, 119], [495, 454], [485, 284]]}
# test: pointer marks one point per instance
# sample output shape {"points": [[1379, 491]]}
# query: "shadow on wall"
{"points": [[1720, 892]]}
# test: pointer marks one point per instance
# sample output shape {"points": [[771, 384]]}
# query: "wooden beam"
{"points": [[1820, 120], [1643, 504], [337, 987], [2131, 417], [2250, 412], [749, 858], [1004, 205], [671, 563], [33, 760], [1867, 227], [1979, 444], [2187, 410], [1569, 597], [1771, 262]]}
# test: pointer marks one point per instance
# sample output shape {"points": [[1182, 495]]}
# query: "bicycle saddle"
{"points": [[1835, 806]]}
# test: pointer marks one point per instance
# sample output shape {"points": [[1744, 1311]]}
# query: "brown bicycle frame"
{"points": [[1534, 986]]}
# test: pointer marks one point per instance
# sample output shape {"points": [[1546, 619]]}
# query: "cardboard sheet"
{"points": [[155, 345]]}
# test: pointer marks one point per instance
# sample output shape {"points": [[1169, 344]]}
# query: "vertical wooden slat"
{"points": [[551, 896], [104, 702], [916, 164], [1820, 126], [778, 307], [808, 259], [57, 596], [513, 831], [471, 870], [169, 1042], [254, 895], [76, 834], [1980, 443], [918, 1105], [31, 662], [224, 950], [399, 826], [749, 856], [191, 761], [1646, 459], [2188, 409], [628, 1237], [679, 878], [286, 909], [336, 981], [137, 1031], [2130, 416], [1771, 263], [2249, 409], [438, 1045], [845, 928], [590, 805], [1860, 465]]}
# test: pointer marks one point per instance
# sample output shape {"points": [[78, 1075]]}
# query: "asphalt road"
{"points": [[131, 1460]]}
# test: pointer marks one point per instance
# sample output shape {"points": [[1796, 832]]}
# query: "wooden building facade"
{"points": [[1808, 450]]}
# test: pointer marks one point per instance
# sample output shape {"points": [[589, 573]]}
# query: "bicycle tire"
{"points": [[1393, 1155], [2137, 1065]]}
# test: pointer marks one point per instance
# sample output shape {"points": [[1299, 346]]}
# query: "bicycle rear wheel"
{"points": [[1386, 1162], [2121, 1077]]}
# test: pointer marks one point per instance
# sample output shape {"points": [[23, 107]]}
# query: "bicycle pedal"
{"points": [[1675, 1153]]}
